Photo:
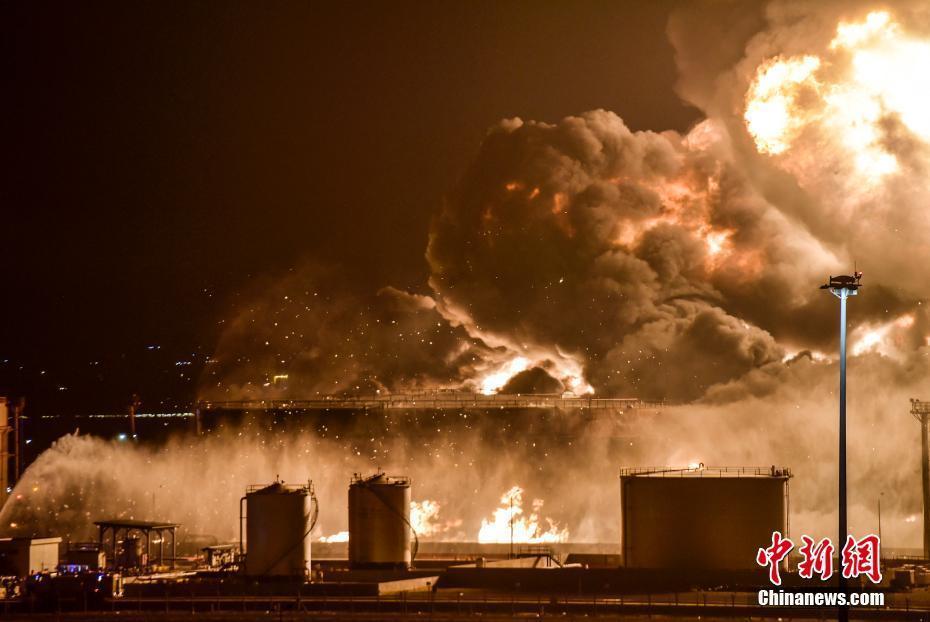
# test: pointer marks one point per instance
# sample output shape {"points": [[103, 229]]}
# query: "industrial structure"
{"points": [[700, 518], [130, 541], [278, 521], [10, 455], [4, 451], [25, 556], [379, 522], [430, 400], [842, 287], [921, 412], [687, 535]]}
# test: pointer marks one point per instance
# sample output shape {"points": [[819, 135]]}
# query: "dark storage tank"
{"points": [[379, 522], [700, 518], [278, 522]]}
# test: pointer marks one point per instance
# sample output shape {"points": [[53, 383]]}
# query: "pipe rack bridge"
{"points": [[433, 401]]}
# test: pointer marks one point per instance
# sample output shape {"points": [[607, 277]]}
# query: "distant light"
{"points": [[121, 437], [28, 440]]}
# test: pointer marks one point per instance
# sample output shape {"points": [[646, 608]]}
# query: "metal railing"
{"points": [[438, 400], [706, 471]]}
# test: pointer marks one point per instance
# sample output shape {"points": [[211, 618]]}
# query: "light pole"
{"points": [[880, 495], [921, 412], [843, 287]]}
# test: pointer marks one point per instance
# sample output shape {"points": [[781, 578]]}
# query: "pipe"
{"points": [[241, 515]]}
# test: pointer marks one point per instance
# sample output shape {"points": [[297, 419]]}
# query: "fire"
{"points": [[561, 366], [686, 202], [509, 524], [715, 241], [342, 536], [852, 34], [769, 115], [883, 338], [495, 380], [871, 74], [424, 518]]}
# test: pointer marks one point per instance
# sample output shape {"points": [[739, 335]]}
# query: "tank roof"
{"points": [[143, 525], [380, 478], [277, 488], [701, 471]]}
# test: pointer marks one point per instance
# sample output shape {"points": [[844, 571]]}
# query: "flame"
{"points": [[509, 519], [495, 380], [715, 241], [489, 377], [342, 536], [560, 365], [852, 34], [771, 99], [424, 518], [884, 338], [871, 72], [576, 382], [687, 203]]}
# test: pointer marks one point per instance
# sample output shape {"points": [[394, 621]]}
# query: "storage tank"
{"points": [[706, 518], [379, 522], [278, 522]]}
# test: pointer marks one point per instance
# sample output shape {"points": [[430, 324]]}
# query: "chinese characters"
{"points": [[858, 557]]}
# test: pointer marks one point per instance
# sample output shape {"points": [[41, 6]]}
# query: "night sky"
{"points": [[163, 157]]}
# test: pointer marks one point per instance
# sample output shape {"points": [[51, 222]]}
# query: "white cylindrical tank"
{"points": [[379, 522], [278, 521]]}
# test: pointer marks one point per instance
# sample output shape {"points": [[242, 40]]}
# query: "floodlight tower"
{"points": [[843, 287], [921, 412]]}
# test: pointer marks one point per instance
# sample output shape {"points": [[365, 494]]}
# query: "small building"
{"points": [[22, 557], [85, 556], [219, 555], [129, 544]]}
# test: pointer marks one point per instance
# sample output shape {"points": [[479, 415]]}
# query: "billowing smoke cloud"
{"points": [[582, 256], [308, 335], [821, 110], [648, 264]]}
